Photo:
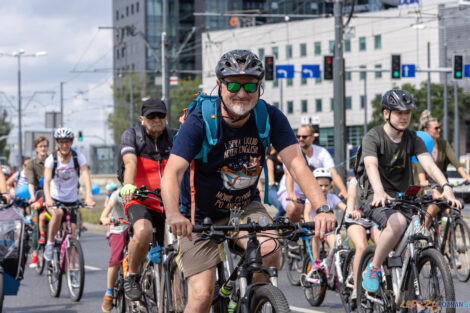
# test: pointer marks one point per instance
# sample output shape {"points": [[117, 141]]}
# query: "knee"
{"points": [[201, 294], [269, 247], [293, 208], [397, 222], [143, 232], [360, 247]]}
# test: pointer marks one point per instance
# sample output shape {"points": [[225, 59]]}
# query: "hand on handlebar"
{"points": [[380, 199], [355, 215], [105, 220], [448, 194], [324, 223], [49, 203], [180, 225], [89, 201], [127, 191], [292, 197]]}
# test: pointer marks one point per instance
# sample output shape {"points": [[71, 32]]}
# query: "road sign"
{"points": [[466, 72], [408, 4], [284, 71], [408, 70], [53, 119], [173, 80], [311, 71]]}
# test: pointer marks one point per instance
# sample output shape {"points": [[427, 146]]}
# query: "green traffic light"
{"points": [[396, 74], [458, 74]]}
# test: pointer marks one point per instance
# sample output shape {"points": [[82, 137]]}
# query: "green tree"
{"points": [[181, 97], [5, 128], [437, 107]]}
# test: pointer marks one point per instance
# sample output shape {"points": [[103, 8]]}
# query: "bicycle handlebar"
{"points": [[253, 227], [116, 221]]}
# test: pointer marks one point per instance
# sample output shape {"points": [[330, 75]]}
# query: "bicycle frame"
{"points": [[64, 239]]}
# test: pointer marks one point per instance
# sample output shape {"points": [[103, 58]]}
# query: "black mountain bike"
{"points": [[249, 296]]}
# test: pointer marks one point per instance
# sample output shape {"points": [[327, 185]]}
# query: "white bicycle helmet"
{"points": [[61, 133], [322, 173], [6, 171]]}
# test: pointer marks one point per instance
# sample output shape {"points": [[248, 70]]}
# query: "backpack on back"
{"points": [[76, 165], [208, 106]]}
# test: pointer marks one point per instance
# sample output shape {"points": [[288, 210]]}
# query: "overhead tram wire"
{"points": [[86, 50]]}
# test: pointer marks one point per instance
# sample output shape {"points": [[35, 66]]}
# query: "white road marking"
{"points": [[92, 268], [302, 310]]}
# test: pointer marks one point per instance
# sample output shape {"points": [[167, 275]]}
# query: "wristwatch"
{"points": [[446, 184], [325, 208]]}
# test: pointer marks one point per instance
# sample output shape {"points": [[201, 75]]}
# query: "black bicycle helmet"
{"points": [[239, 63], [397, 100]]}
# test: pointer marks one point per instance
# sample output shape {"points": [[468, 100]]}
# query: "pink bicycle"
{"points": [[67, 258]]}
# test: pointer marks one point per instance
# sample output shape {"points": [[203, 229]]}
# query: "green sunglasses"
{"points": [[235, 87]]}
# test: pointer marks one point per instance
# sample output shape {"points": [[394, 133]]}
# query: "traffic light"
{"points": [[269, 68], [396, 66], [458, 66], [328, 67], [80, 135]]}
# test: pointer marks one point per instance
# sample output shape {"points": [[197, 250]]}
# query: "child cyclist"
{"points": [[324, 179], [117, 241], [43, 218]]}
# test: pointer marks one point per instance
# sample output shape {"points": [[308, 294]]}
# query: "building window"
{"points": [[362, 43], [332, 104], [332, 46], [304, 107], [318, 80], [289, 82], [348, 103], [378, 74], [378, 97], [362, 75], [347, 75], [303, 81], [290, 107], [275, 83], [261, 53], [288, 51], [363, 102], [127, 11], [378, 42], [354, 135], [318, 105], [123, 52], [117, 15], [347, 45], [327, 137], [132, 8], [133, 67], [276, 104], [137, 6], [275, 52], [117, 53], [303, 49], [317, 46]]}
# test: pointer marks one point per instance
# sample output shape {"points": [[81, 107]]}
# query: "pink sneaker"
{"points": [[316, 264]]}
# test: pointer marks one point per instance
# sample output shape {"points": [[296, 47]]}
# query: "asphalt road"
{"points": [[34, 293]]}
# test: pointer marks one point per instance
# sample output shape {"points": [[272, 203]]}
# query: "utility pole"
{"points": [[61, 104], [281, 105], [429, 79], [365, 103], [131, 102], [446, 117], [456, 120], [339, 89], [165, 76], [20, 135]]}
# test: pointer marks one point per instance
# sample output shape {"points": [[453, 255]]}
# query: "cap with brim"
{"points": [[153, 105]]}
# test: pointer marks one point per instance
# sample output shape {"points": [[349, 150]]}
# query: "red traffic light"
{"points": [[329, 60], [269, 60]]}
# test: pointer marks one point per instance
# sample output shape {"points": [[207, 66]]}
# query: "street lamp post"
{"points": [[18, 55]]}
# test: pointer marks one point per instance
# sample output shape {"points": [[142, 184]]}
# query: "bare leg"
{"points": [[42, 223], [112, 275], [316, 245], [358, 236], [432, 209], [200, 291], [54, 224], [294, 211], [139, 244], [390, 236]]}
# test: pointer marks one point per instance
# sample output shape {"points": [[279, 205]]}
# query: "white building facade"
{"points": [[370, 40]]}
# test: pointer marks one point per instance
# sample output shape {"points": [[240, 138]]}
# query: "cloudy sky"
{"points": [[68, 32]]}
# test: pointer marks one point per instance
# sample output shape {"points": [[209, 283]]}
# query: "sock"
{"points": [[50, 242], [110, 291], [131, 274]]}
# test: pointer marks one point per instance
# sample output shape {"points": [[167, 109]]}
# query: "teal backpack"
{"points": [[209, 113]]}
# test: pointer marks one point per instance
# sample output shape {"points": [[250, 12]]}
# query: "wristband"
{"points": [[446, 184]]}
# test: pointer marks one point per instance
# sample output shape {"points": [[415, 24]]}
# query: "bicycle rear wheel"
{"points": [[269, 298], [294, 265], [150, 283], [177, 288], [460, 250], [75, 270], [41, 260], [1, 292], [119, 302], [434, 279], [54, 275], [347, 287]]}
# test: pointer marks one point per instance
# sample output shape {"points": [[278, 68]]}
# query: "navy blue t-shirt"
{"points": [[230, 176]]}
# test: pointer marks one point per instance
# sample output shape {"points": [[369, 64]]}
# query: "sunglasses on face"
{"points": [[235, 87], [303, 136], [437, 128], [153, 115], [65, 142]]}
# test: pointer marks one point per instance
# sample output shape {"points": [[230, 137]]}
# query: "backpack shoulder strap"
{"points": [[209, 115], [139, 140], [75, 162], [381, 132], [410, 136], [54, 167], [262, 121]]}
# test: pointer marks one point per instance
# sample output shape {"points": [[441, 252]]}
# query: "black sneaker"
{"points": [[132, 287]]}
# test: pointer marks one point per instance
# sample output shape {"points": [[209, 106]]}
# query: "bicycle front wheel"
{"points": [[346, 288], [75, 270], [1, 292], [120, 302], [294, 265], [41, 261], [460, 250], [434, 280], [267, 299], [315, 290], [177, 289]]}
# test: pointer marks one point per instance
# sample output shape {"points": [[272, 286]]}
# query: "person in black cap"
{"points": [[144, 152]]}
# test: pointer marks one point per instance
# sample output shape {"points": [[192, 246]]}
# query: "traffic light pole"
{"points": [[339, 90], [456, 120], [446, 118]]}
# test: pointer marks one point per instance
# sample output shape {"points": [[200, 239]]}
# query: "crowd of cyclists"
{"points": [[210, 168]]}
